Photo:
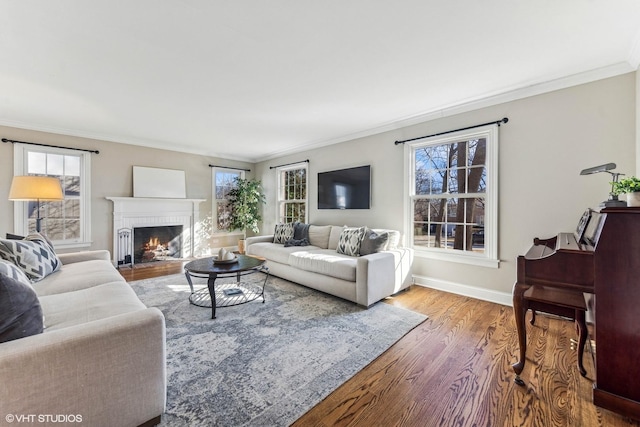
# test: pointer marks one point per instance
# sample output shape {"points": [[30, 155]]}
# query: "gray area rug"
{"points": [[264, 364]]}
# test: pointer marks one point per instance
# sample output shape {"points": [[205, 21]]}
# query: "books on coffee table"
{"points": [[232, 292]]}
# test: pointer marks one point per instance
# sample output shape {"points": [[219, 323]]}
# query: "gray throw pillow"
{"points": [[20, 310], [300, 231], [373, 242]]}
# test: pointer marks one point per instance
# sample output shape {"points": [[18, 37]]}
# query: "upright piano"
{"points": [[602, 258]]}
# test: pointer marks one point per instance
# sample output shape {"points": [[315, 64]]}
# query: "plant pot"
{"points": [[633, 199], [241, 246]]}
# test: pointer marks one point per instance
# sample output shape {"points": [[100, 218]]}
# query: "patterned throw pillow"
{"points": [[283, 232], [9, 269], [34, 256], [350, 240]]}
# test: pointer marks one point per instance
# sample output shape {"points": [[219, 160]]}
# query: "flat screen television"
{"points": [[345, 188]]}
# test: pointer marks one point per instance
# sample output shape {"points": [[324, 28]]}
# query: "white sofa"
{"points": [[362, 279], [101, 356]]}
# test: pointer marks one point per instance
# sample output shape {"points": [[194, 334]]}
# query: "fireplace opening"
{"points": [[157, 243]]}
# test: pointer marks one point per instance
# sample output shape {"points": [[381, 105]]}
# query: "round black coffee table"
{"points": [[227, 294]]}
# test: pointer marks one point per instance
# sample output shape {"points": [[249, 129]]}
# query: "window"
{"points": [[292, 193], [66, 223], [453, 196], [224, 181]]}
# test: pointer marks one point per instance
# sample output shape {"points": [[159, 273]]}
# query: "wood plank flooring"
{"points": [[455, 370]]}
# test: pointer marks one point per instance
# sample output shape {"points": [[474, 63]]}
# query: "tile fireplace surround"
{"points": [[133, 212]]}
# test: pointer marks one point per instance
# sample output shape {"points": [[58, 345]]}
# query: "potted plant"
{"points": [[245, 200], [631, 187]]}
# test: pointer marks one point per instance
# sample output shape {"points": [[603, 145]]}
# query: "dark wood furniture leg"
{"points": [[519, 311], [212, 292]]}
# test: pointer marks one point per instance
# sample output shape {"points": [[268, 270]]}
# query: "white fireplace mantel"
{"points": [[132, 212]]}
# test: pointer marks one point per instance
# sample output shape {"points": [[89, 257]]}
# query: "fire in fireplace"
{"points": [[157, 243]]}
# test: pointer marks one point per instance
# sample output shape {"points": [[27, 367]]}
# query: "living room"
{"points": [[557, 126]]}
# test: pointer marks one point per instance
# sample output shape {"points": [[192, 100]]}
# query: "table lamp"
{"points": [[31, 187], [613, 198]]}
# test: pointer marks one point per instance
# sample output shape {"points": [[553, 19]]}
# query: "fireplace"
{"points": [[157, 243], [135, 214]]}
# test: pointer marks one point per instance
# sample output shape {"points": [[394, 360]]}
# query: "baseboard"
{"points": [[465, 290]]}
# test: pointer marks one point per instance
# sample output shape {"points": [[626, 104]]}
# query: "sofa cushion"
{"points": [[78, 275], [20, 310], [373, 242], [319, 235], [87, 305], [334, 236], [274, 251], [350, 240], [283, 232], [33, 255], [325, 261]]}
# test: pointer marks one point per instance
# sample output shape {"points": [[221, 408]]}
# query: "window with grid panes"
{"points": [[66, 223], [453, 196], [224, 181], [292, 193]]}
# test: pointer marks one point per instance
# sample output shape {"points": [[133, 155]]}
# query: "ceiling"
{"points": [[254, 79]]}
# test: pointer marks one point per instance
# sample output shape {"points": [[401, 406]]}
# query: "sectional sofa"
{"points": [[96, 358], [358, 264]]}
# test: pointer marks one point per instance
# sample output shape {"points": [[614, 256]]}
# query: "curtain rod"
{"points": [[288, 164], [46, 145], [229, 167], [504, 120]]}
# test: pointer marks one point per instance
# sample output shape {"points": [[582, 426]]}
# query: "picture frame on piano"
{"points": [[582, 224]]}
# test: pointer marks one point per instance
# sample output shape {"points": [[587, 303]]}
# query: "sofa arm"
{"points": [[382, 274], [109, 372], [72, 257], [258, 239]]}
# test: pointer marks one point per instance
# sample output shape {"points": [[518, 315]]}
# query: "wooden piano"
{"points": [[601, 258]]}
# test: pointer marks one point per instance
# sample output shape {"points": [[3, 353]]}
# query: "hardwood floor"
{"points": [[455, 369]]}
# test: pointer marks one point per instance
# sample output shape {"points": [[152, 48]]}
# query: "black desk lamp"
{"points": [[613, 198]]}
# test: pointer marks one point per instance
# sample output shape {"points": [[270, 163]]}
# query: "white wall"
{"points": [[549, 139]]}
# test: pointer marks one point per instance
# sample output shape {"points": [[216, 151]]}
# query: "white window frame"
{"points": [[490, 256], [280, 191], [21, 224], [215, 201]]}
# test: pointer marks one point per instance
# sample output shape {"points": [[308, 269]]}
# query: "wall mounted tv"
{"points": [[345, 188]]}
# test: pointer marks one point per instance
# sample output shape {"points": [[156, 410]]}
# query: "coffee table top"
{"points": [[207, 266]]}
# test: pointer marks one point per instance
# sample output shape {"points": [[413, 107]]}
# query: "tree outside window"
{"points": [[453, 195]]}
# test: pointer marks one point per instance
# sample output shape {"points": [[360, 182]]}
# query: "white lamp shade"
{"points": [[24, 188]]}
